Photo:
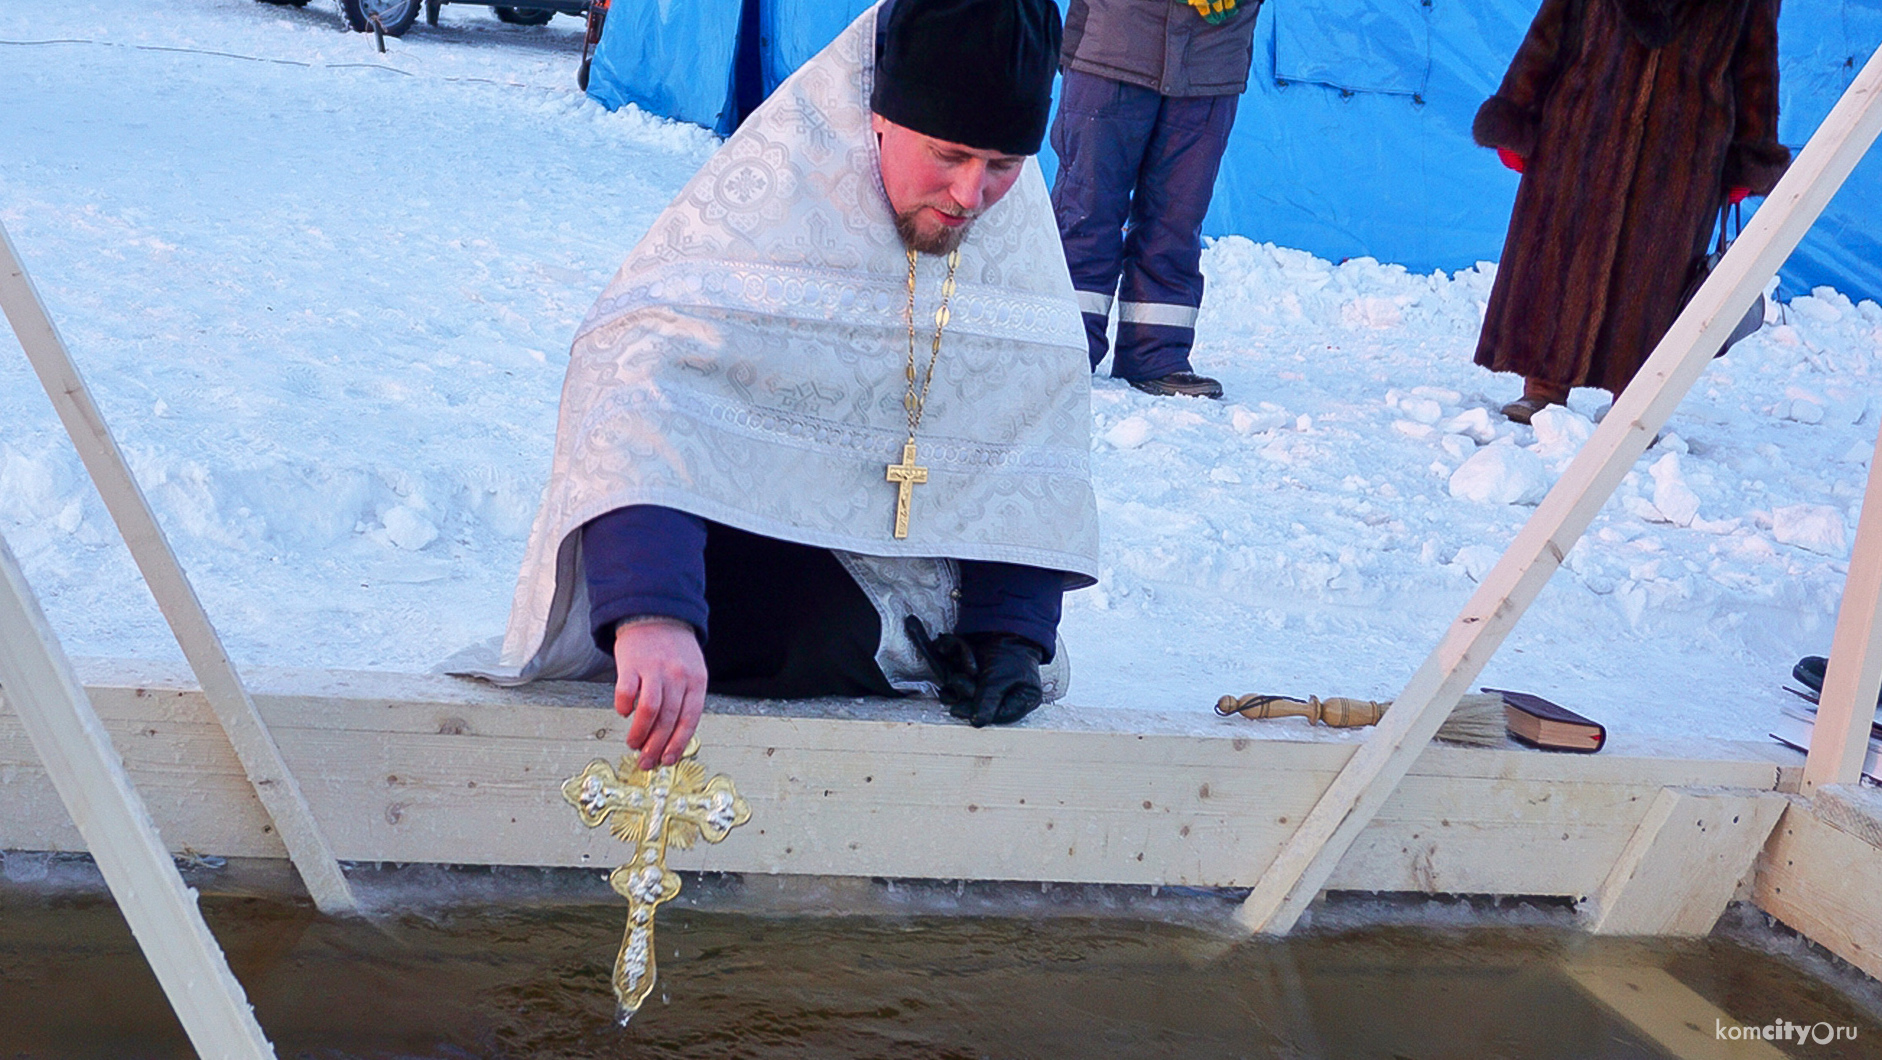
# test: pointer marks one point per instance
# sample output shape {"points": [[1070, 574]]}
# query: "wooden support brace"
{"points": [[125, 500], [1668, 1012], [1302, 867], [1846, 709], [1680, 869], [117, 828]]}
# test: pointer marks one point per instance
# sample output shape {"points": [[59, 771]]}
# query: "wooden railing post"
{"points": [[280, 793], [37, 681], [1846, 709]]}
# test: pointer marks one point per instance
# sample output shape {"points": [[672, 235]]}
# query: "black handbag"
{"points": [[1754, 316]]}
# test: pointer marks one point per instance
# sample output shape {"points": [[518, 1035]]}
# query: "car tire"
{"points": [[523, 16], [395, 16]]}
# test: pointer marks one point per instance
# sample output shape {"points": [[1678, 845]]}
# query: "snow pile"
{"points": [[324, 297]]}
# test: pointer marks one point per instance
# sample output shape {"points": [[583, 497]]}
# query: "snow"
{"points": [[324, 297], [1499, 474]]}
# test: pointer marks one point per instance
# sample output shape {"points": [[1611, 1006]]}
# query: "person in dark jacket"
{"points": [[1631, 121], [1148, 100]]}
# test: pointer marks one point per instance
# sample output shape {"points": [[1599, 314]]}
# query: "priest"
{"points": [[826, 433]]}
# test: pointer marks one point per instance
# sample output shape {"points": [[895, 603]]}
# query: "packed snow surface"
{"points": [[324, 297]]}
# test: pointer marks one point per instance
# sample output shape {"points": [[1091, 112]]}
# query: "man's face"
{"points": [[937, 188]]}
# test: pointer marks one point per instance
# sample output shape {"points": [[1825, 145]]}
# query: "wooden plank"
{"points": [[1820, 880], [91, 781], [1683, 863], [1668, 1012], [1846, 708], [429, 704], [414, 768], [1297, 873], [1854, 808], [175, 596]]}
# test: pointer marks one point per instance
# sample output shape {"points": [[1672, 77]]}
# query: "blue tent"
{"points": [[1353, 138]]}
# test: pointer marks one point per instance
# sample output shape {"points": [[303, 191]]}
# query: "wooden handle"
{"points": [[1339, 712], [1343, 713]]}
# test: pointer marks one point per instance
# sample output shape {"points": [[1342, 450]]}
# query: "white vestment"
{"points": [[747, 365]]}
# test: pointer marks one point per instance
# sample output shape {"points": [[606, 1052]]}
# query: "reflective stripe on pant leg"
{"points": [[1164, 313], [1099, 133], [1095, 311], [1094, 304], [1163, 247]]}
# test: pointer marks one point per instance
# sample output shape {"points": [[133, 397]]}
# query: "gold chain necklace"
{"points": [[907, 474]]}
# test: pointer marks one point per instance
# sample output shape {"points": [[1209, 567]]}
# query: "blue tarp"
{"points": [[1353, 138]]}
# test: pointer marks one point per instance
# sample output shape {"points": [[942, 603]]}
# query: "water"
{"points": [[1072, 981]]}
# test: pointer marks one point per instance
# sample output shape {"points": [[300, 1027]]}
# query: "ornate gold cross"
{"points": [[906, 475], [673, 805]]}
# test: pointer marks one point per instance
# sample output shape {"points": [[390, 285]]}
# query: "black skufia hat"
{"points": [[973, 72]]}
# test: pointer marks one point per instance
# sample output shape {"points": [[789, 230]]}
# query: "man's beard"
{"points": [[944, 241]]}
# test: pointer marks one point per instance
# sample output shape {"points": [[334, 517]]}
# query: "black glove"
{"points": [[1007, 687], [951, 660], [984, 678]]}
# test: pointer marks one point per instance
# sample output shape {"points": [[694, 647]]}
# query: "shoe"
{"points": [[1179, 384], [1524, 408]]}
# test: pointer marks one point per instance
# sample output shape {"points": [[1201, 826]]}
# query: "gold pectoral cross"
{"points": [[905, 475], [672, 805]]}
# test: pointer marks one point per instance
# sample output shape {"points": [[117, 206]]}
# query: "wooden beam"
{"points": [[1854, 808], [416, 768], [1818, 875], [1681, 867], [1668, 1012], [1308, 859], [1846, 709], [118, 831], [177, 599]]}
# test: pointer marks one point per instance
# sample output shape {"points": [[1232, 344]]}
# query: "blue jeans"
{"points": [[1136, 172]]}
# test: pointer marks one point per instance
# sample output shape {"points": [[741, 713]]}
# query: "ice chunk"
{"points": [[1501, 474], [1816, 527], [1476, 560], [1671, 495], [1248, 421], [1130, 432], [1424, 410], [1805, 411], [408, 529], [1473, 424], [1819, 306], [1371, 311], [1560, 432]]}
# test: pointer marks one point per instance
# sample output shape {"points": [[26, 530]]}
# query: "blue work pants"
{"points": [[1136, 171]]}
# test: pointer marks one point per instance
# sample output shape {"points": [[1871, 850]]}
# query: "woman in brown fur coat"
{"points": [[1632, 122]]}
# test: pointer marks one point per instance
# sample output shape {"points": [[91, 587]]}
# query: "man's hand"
{"points": [[660, 684], [1007, 686]]}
